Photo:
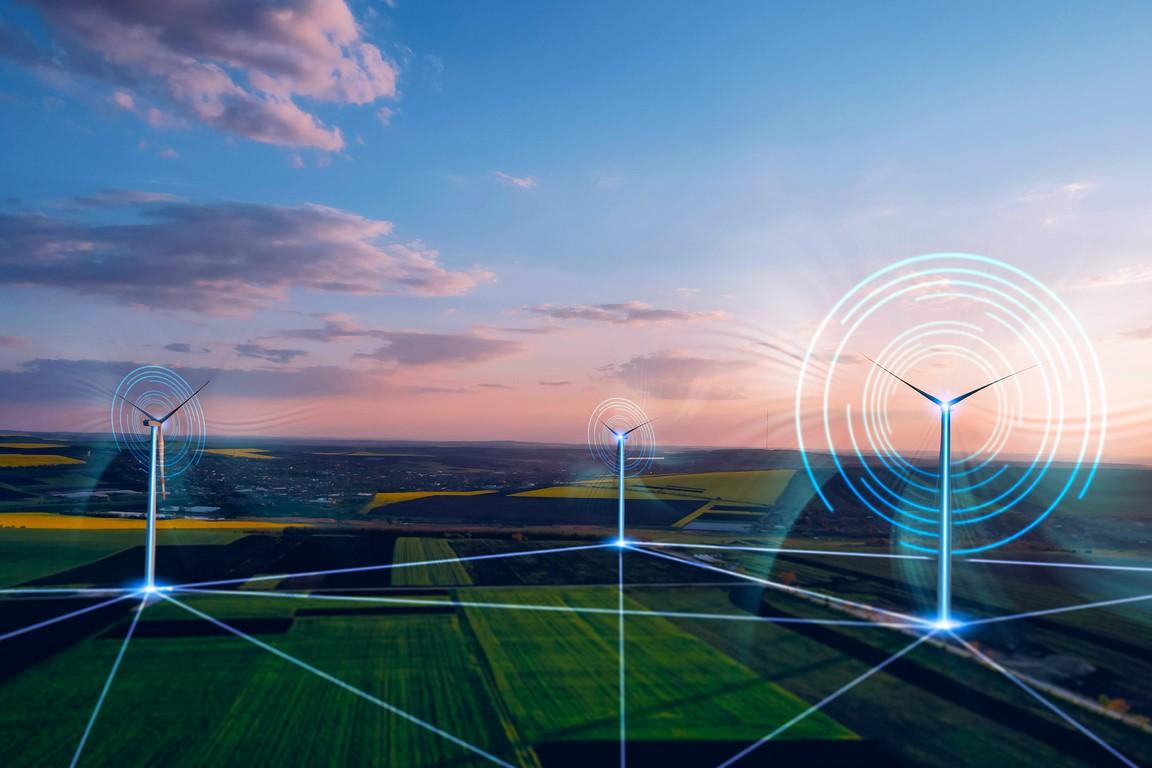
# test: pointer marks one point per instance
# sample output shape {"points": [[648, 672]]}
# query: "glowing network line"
{"points": [[591, 610], [67, 591], [781, 550], [889, 556], [1040, 563], [623, 681], [826, 700], [912, 620], [1063, 609], [1045, 701], [65, 617], [108, 683], [342, 684], [387, 566]]}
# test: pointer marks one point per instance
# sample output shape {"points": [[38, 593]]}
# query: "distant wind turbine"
{"points": [[944, 573], [156, 480], [621, 438]]}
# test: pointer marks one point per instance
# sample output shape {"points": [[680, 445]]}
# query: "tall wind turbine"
{"points": [[621, 438], [944, 557], [157, 485]]}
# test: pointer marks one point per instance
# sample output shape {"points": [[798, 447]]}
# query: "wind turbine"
{"points": [[156, 479], [944, 558], [621, 438]]}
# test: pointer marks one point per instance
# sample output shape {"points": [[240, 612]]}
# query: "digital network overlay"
{"points": [[620, 434]]}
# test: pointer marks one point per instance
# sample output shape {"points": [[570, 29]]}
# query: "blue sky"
{"points": [[748, 161]]}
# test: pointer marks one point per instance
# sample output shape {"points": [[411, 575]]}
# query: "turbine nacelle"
{"points": [[622, 436]]}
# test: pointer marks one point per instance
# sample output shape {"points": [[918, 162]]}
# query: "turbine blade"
{"points": [[933, 398], [967, 395], [638, 427], [614, 432], [150, 416], [173, 411]]}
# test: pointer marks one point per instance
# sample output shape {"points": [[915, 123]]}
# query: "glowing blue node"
{"points": [[946, 625], [621, 543]]}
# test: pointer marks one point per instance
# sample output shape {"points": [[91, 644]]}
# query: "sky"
{"points": [[474, 221]]}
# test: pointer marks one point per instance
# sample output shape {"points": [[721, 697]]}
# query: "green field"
{"points": [[929, 710], [559, 676], [421, 550], [27, 554], [529, 685]]}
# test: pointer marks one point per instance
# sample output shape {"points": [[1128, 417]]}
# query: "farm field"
{"points": [[241, 453], [209, 700], [410, 549], [27, 554], [51, 521], [15, 446], [20, 460], [559, 674], [926, 709], [752, 487], [540, 687], [396, 497]]}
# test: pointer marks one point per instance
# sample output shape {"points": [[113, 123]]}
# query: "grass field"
{"points": [[558, 673], [16, 460], [27, 554], [208, 701], [413, 550]]}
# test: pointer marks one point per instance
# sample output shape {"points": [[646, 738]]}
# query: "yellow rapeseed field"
{"points": [[241, 453], [31, 446], [35, 460], [753, 487], [48, 520], [396, 497]]}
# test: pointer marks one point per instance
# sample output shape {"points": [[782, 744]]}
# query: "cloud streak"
{"points": [[1132, 274], [520, 182], [222, 258], [677, 375], [184, 348], [271, 354], [629, 313], [408, 347]]}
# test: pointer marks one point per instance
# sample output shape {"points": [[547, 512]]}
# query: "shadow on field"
{"points": [[960, 693]]}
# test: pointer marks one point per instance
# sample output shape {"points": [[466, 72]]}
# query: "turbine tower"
{"points": [[621, 438], [944, 557], [157, 485]]}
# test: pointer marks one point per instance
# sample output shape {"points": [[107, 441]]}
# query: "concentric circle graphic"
{"points": [[947, 324], [617, 416], [158, 390]]}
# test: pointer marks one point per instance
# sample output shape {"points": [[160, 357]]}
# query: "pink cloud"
{"points": [[124, 100], [236, 67]]}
